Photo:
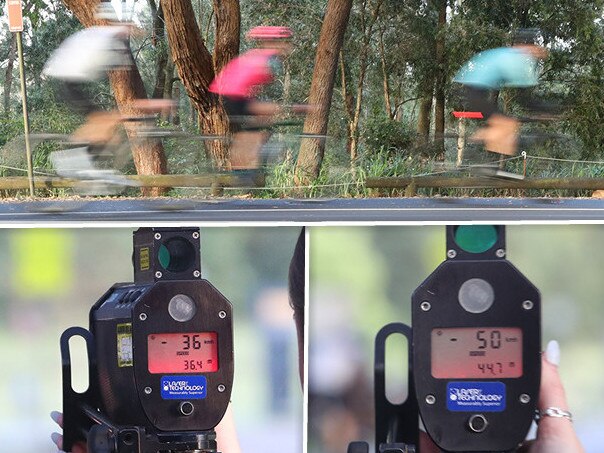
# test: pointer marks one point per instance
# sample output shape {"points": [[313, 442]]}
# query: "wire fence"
{"points": [[345, 181]]}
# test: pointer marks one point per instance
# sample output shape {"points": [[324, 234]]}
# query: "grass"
{"points": [[338, 178]]}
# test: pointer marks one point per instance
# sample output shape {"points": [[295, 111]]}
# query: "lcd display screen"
{"points": [[476, 352], [195, 352]]}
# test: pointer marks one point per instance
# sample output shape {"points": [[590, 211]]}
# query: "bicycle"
{"points": [[472, 158], [106, 173]]}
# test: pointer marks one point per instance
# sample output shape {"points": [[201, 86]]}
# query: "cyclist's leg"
{"points": [[501, 132], [251, 134], [82, 160], [245, 149], [100, 125], [98, 129]]}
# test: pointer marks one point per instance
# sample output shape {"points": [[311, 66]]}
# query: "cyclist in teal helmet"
{"points": [[506, 67]]}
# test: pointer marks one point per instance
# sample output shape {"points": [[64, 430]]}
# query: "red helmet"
{"points": [[269, 32]]}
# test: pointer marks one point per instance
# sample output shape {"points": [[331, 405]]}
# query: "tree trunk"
{"points": [[159, 42], [423, 119], [385, 81], [321, 88], [168, 85], [363, 64], [8, 79], [149, 157], [176, 97], [346, 98], [353, 127], [228, 23], [196, 70], [440, 79]]}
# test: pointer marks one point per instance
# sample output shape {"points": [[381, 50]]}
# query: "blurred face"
{"points": [[535, 51], [283, 46]]}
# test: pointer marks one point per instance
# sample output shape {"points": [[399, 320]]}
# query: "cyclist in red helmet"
{"points": [[239, 84]]}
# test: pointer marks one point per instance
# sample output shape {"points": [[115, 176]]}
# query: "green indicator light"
{"points": [[475, 238], [164, 256]]}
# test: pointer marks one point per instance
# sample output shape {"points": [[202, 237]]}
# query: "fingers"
{"points": [[57, 439], [526, 447], [226, 433], [426, 445], [79, 448], [57, 417], [552, 394]]}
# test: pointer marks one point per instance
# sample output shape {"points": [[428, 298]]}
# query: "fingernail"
{"points": [[55, 416], [55, 437], [552, 353]]}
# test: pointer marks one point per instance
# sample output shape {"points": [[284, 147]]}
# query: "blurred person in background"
{"points": [[275, 318], [340, 395], [82, 59], [240, 82], [506, 67]]}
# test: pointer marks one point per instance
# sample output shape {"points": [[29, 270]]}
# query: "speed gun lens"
{"points": [[176, 255]]}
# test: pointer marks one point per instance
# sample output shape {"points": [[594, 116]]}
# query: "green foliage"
{"points": [[46, 38], [383, 133], [572, 31], [401, 59], [10, 127]]}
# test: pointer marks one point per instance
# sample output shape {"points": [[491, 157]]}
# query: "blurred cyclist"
{"points": [[239, 83], [494, 69], [82, 59]]}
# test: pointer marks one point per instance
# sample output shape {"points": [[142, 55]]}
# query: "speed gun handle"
{"points": [[76, 423], [396, 425]]}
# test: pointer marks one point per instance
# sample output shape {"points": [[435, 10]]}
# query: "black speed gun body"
{"points": [[474, 362], [160, 355]]}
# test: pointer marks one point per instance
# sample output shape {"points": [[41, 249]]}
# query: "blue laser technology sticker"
{"points": [[183, 387], [476, 396]]}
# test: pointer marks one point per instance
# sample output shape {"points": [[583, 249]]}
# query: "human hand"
{"points": [[226, 433], [555, 434], [303, 108], [154, 105], [79, 447]]}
